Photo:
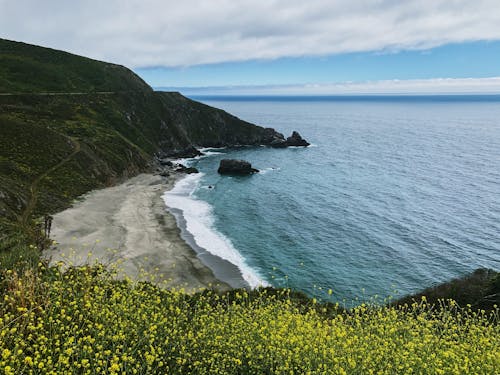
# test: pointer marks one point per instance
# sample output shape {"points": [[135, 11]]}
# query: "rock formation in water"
{"points": [[236, 167], [294, 140]]}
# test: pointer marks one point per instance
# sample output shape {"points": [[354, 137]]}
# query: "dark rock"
{"points": [[183, 169], [166, 162], [188, 152], [294, 140], [239, 167], [271, 137], [190, 170], [164, 174], [278, 143]]}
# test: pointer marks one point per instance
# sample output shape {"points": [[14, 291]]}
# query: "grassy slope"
{"points": [[27, 68]]}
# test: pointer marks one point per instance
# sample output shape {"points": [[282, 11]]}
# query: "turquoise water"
{"points": [[394, 195]]}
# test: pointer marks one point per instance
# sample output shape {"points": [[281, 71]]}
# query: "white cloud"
{"points": [[141, 33], [386, 87]]}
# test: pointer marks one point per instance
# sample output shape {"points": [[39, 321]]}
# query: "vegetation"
{"points": [[69, 124], [83, 321], [25, 68], [480, 289]]}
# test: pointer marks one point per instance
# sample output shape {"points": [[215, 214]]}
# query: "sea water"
{"points": [[394, 194]]}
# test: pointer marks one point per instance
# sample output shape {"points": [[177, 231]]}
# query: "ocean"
{"points": [[395, 194]]}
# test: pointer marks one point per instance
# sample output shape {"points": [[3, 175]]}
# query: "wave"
{"points": [[270, 169], [199, 219]]}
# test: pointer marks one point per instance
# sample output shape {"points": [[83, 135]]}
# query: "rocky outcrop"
{"points": [[187, 152], [271, 136], [183, 169], [236, 167], [294, 140]]}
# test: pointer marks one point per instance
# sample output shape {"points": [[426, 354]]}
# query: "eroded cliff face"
{"points": [[205, 126]]}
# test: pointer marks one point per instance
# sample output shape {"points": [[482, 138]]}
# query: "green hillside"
{"points": [[69, 124], [27, 68]]}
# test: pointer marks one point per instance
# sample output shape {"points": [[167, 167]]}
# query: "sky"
{"points": [[277, 46]]}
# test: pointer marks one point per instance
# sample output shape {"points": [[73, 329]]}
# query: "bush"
{"points": [[84, 321]]}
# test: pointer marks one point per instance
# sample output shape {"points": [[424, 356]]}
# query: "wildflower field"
{"points": [[84, 321]]}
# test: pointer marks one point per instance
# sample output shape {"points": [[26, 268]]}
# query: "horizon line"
{"points": [[430, 86]]}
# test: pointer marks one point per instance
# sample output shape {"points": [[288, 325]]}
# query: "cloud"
{"points": [[416, 86], [144, 33]]}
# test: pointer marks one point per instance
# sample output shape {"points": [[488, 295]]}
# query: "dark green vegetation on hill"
{"points": [[69, 124], [26, 68], [480, 290]]}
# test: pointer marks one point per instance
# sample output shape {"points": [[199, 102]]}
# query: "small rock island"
{"points": [[295, 140], [236, 167]]}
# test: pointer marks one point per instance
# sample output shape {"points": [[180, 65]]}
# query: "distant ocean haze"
{"points": [[394, 195]]}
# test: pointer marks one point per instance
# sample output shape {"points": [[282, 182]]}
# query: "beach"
{"points": [[129, 226]]}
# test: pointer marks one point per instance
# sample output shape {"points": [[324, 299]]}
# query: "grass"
{"points": [[27, 68], [84, 321]]}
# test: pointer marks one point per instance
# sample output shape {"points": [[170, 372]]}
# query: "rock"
{"points": [[190, 170], [188, 152], [278, 143], [166, 162], [183, 169], [239, 167], [294, 140], [271, 137], [164, 174]]}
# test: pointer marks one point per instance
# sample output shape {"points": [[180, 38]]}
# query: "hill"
{"points": [[27, 68], [69, 124]]}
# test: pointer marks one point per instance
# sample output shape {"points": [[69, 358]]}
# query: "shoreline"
{"points": [[129, 225]]}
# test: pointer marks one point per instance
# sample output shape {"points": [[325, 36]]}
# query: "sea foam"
{"points": [[199, 219]]}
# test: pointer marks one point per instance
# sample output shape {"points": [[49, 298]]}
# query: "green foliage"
{"points": [[480, 289], [15, 253], [26, 68], [84, 321]]}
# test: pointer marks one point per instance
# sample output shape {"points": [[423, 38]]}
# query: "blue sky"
{"points": [[458, 60], [278, 46]]}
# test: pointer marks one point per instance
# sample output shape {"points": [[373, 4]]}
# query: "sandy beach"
{"points": [[129, 224]]}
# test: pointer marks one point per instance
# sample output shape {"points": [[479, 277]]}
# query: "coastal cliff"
{"points": [[70, 124]]}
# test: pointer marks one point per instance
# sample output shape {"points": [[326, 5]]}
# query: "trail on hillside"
{"points": [[61, 93], [24, 218]]}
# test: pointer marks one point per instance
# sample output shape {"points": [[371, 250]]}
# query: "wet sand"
{"points": [[129, 224]]}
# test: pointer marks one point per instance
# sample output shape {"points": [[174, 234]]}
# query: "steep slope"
{"points": [[69, 124]]}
